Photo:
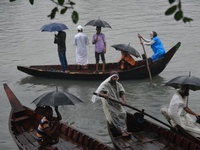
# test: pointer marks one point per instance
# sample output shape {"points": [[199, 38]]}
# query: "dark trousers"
{"points": [[63, 60]]}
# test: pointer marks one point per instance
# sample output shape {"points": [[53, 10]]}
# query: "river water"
{"points": [[22, 43]]}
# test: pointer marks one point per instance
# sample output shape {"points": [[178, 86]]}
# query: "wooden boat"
{"points": [[139, 71], [23, 123], [150, 135], [147, 134]]}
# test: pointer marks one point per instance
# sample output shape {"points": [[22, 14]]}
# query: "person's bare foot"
{"points": [[124, 133], [128, 132], [67, 71]]}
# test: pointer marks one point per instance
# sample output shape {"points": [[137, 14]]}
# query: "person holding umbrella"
{"points": [[179, 112], [126, 61], [60, 39], [100, 48], [48, 128], [156, 45]]}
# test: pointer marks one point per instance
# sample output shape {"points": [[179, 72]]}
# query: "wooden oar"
{"points": [[134, 109], [147, 63]]}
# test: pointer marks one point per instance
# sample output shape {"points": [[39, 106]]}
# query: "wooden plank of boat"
{"points": [[138, 72], [23, 124], [148, 135]]}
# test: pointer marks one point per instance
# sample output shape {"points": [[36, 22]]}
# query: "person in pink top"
{"points": [[100, 48]]}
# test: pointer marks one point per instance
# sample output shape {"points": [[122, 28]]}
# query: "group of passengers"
{"points": [[99, 40]]}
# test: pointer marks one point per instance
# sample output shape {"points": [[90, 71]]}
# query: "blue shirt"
{"points": [[157, 48]]}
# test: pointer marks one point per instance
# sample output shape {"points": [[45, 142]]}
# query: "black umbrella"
{"points": [[98, 23], [192, 82], [127, 48], [56, 98]]}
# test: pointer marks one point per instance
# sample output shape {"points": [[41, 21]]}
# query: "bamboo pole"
{"points": [[147, 63]]}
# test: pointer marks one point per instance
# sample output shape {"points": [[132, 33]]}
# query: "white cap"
{"points": [[79, 27]]}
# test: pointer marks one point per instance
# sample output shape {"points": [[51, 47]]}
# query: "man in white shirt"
{"points": [[81, 41], [179, 112]]}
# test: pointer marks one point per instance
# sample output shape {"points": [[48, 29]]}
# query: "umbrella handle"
{"points": [[147, 63]]}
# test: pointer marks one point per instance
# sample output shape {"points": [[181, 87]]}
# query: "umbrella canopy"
{"points": [[52, 27], [56, 98], [98, 23], [127, 48], [192, 82]]}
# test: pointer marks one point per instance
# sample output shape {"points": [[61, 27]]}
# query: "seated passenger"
{"points": [[126, 61], [48, 128], [179, 113]]}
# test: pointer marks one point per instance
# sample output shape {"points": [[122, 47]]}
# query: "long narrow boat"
{"points": [[23, 123], [139, 71]]}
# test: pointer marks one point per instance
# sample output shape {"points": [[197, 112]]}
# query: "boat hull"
{"points": [[139, 71]]}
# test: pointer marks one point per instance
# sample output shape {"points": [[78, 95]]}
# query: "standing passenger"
{"points": [[60, 41], [81, 41], [100, 48], [114, 112]]}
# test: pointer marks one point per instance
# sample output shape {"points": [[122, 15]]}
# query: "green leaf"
{"points": [[171, 10], [53, 13], [179, 5], [31, 1], [178, 15], [186, 19], [75, 17], [63, 10], [171, 1], [55, 9], [72, 3], [61, 2]]}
